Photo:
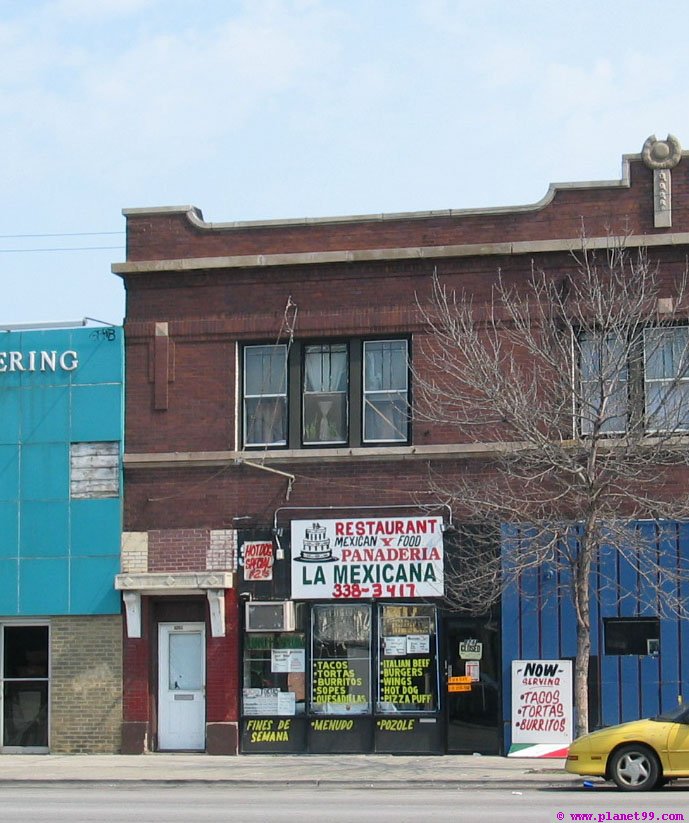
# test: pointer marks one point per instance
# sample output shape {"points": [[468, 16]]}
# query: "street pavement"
{"points": [[375, 771]]}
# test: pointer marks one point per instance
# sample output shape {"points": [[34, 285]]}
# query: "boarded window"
{"points": [[94, 470]]}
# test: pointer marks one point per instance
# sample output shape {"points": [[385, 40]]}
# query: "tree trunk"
{"points": [[582, 603]]}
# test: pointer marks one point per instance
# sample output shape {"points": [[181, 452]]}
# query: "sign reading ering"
{"points": [[40, 361]]}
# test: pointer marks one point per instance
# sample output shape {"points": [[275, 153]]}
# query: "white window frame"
{"points": [[264, 396], [674, 380], [370, 393], [585, 424]]}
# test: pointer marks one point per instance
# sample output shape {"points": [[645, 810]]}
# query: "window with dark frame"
{"points": [[326, 393], [324, 399], [340, 659], [407, 658], [24, 679], [632, 635], [274, 674], [644, 383]]}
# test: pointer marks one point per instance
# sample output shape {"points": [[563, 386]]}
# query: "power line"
{"points": [[64, 248], [61, 234]]}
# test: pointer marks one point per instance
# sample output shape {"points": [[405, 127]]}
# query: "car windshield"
{"points": [[678, 714]]}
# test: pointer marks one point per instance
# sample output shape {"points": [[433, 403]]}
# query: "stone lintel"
{"points": [[162, 583]]}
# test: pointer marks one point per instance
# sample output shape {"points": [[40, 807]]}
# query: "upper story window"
{"points": [[604, 384], [265, 395], [325, 409], [339, 393], [666, 378], [645, 381], [386, 388]]}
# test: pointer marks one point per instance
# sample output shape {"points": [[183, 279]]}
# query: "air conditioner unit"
{"points": [[275, 616]]}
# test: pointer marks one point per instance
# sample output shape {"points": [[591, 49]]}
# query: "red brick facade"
{"points": [[177, 550], [605, 208], [196, 292]]}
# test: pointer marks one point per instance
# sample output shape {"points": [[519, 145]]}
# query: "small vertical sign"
{"points": [[542, 717], [257, 560]]}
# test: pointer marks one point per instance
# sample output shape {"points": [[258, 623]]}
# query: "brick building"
{"points": [[61, 420], [269, 450]]}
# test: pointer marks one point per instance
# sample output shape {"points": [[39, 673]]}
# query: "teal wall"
{"points": [[58, 556]]}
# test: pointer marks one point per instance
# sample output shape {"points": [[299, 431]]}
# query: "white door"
{"points": [[181, 686]]}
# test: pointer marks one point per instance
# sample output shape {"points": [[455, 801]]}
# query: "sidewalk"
{"points": [[379, 771]]}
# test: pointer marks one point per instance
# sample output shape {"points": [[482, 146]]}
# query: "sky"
{"points": [[264, 109]]}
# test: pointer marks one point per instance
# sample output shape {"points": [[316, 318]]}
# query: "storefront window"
{"points": [[341, 659], [25, 686], [274, 674], [408, 680]]}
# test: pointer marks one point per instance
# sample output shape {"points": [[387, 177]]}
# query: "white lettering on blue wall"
{"points": [[38, 361]]}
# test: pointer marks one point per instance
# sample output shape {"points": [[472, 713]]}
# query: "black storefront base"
{"points": [[273, 735], [391, 734], [340, 735], [409, 735]]}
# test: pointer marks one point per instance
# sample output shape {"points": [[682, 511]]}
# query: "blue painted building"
{"points": [[639, 649], [61, 431]]}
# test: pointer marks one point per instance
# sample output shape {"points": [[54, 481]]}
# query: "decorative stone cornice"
{"points": [[212, 584], [161, 583], [661, 154]]}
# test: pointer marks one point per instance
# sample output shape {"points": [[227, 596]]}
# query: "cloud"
{"points": [[160, 96]]}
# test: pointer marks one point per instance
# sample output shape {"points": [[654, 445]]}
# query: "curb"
{"points": [[242, 783]]}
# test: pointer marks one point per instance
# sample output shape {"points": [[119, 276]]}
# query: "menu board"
{"points": [[406, 683], [338, 687], [341, 659], [407, 673], [542, 701]]}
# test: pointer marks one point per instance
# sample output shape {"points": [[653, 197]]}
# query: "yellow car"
{"points": [[638, 756]]}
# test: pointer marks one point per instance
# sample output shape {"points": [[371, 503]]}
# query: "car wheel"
{"points": [[635, 768]]}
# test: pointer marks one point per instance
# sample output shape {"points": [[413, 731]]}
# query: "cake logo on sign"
{"points": [[315, 547]]}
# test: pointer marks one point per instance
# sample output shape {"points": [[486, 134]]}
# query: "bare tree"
{"points": [[577, 385]]}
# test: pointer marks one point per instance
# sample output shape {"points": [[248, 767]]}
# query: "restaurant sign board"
{"points": [[367, 558]]}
